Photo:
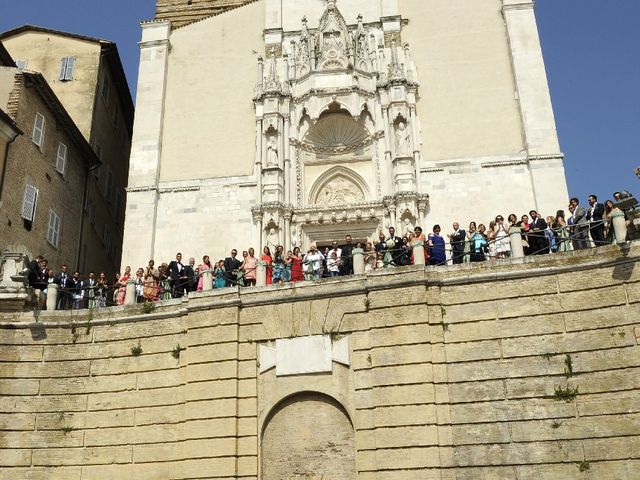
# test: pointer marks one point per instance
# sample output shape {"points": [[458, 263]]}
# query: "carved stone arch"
{"points": [[339, 185], [300, 430], [334, 106]]}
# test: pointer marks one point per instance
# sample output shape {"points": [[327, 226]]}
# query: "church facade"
{"points": [[297, 121]]}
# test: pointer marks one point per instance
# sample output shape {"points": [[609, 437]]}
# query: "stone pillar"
{"points": [[146, 145], [130, 293], [619, 226], [418, 253], [549, 186], [52, 296], [261, 274], [515, 236], [358, 261], [207, 280]]}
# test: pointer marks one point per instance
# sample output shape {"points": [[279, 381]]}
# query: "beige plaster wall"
{"points": [[467, 105], [209, 127], [454, 374], [44, 52]]}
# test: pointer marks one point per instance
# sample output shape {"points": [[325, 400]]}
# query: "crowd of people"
{"points": [[582, 227]]}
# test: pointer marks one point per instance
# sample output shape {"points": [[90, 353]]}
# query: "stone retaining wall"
{"points": [[512, 370]]}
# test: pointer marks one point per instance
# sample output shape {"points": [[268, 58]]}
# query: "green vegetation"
{"points": [[565, 394], [136, 350]]}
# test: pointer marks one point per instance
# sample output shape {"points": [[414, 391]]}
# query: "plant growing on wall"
{"points": [[136, 350]]}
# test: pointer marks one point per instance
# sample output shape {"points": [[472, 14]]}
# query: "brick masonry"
{"points": [[516, 370]]}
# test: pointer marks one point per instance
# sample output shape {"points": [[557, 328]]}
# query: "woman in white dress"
{"points": [[502, 243]]}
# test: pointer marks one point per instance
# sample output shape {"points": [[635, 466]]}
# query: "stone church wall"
{"points": [[512, 370]]}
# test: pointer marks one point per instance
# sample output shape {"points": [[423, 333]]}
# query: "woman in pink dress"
{"points": [[296, 266], [205, 265], [122, 284], [249, 268], [266, 257]]}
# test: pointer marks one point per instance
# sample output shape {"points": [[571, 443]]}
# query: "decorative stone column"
{"points": [[130, 293], [358, 261], [515, 236], [261, 274], [52, 296]]}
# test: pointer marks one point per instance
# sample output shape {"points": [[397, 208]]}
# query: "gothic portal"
{"points": [[294, 121]]}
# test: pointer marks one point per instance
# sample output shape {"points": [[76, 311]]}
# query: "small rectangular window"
{"points": [[29, 202], [66, 68], [39, 125], [21, 63], [53, 232], [61, 158]]}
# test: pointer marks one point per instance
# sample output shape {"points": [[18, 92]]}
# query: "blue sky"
{"points": [[590, 49]]}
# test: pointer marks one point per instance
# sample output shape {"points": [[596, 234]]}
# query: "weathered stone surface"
{"points": [[459, 390]]}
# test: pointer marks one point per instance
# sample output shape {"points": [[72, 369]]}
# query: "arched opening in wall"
{"points": [[308, 435]]}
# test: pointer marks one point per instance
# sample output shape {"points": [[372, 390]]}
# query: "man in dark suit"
{"points": [[177, 276], [35, 273], [346, 267], [594, 217], [192, 278], [65, 284], [580, 229], [397, 248], [457, 239], [231, 267], [538, 244]]}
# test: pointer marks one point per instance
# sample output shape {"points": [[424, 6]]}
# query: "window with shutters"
{"points": [[21, 63], [66, 68], [53, 232], [29, 202], [61, 158], [38, 130]]}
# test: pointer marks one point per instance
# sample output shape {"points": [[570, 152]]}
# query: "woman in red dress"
{"points": [[266, 257], [296, 266]]}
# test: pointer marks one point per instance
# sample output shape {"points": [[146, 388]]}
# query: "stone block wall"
{"points": [[511, 370]]}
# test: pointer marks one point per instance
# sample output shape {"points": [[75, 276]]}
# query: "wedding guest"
{"points": [[249, 268], [468, 245], [562, 228], [268, 259], [151, 277], [279, 265], [164, 282], [296, 266], [456, 240], [479, 244], [369, 257], [312, 262], [101, 292], [231, 267], [204, 266], [500, 235], [121, 285], [550, 235], [437, 255], [219, 275], [139, 279]]}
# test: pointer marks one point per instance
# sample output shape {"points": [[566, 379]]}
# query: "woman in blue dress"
{"points": [[437, 255], [218, 273]]}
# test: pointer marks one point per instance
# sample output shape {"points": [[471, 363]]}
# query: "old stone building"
{"points": [[86, 75], [294, 121], [45, 168]]}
